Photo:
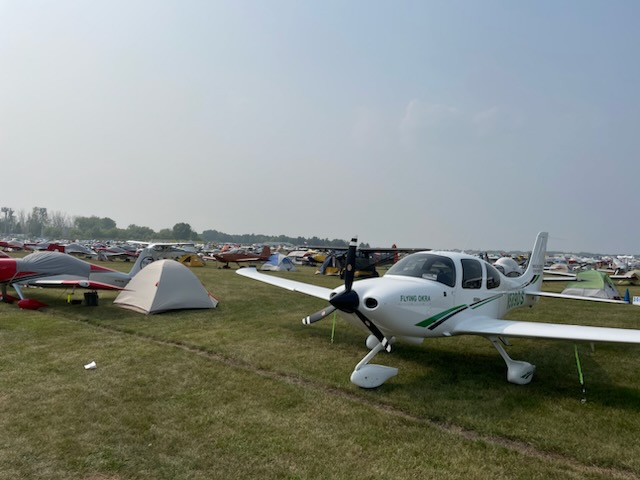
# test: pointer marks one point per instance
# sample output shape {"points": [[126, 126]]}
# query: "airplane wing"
{"points": [[363, 249], [560, 276], [294, 286], [488, 327], [69, 283], [633, 275], [576, 297]]}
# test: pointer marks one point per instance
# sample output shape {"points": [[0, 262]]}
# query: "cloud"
{"points": [[485, 121], [428, 122], [419, 115], [368, 127], [494, 120]]}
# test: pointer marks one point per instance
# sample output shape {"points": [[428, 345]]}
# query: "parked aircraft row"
{"points": [[54, 269], [425, 294]]}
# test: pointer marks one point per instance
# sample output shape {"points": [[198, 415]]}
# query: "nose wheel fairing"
{"points": [[367, 375]]}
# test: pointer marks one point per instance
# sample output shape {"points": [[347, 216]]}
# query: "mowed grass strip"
{"points": [[156, 411], [451, 394]]}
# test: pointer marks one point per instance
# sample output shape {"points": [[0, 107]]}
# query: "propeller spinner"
{"points": [[348, 300]]}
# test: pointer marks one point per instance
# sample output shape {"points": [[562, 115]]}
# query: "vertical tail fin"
{"points": [[266, 253], [532, 277], [144, 258]]}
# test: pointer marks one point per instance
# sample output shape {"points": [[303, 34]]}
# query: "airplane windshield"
{"points": [[426, 265]]}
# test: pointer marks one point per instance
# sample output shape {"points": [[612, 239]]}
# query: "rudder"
{"points": [[532, 277]]}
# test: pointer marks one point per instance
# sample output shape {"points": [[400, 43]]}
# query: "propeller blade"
{"points": [[374, 330], [350, 268], [318, 315], [348, 301]]}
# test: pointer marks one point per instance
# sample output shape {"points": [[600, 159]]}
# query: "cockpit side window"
{"points": [[471, 273], [493, 277], [431, 267]]}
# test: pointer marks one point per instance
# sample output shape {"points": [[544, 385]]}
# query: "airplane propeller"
{"points": [[348, 301]]}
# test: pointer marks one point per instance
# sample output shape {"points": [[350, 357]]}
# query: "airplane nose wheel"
{"points": [[367, 375]]}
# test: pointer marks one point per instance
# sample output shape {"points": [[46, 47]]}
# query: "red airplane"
{"points": [[242, 255], [12, 244], [55, 269]]}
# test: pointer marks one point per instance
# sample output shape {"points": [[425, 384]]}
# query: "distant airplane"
{"points": [[632, 277], [167, 251], [58, 270], [12, 244], [110, 252], [367, 259], [70, 248], [242, 255]]}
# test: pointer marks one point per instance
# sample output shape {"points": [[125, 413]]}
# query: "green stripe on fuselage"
{"points": [[442, 315], [481, 303]]}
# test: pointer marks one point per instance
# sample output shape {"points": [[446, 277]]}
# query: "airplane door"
{"points": [[446, 279]]}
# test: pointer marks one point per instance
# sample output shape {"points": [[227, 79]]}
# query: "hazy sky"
{"points": [[443, 124]]}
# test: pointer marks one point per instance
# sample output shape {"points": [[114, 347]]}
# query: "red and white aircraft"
{"points": [[242, 255], [12, 244], [444, 294], [55, 269]]}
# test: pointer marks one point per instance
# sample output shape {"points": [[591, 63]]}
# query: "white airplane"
{"points": [[443, 294], [151, 252]]}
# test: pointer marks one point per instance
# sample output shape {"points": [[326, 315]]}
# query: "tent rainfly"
{"points": [[592, 283], [165, 285], [279, 263], [191, 260]]}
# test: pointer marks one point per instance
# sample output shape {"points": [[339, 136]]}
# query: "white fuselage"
{"points": [[412, 305]]}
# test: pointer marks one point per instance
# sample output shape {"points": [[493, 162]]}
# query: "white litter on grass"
{"points": [[90, 366]]}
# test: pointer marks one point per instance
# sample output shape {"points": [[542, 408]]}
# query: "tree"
{"points": [[96, 227], [59, 226], [37, 221], [134, 232], [21, 224], [182, 231], [166, 234], [107, 224], [7, 222]]}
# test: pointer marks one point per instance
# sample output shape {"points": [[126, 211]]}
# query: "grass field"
{"points": [[247, 391]]}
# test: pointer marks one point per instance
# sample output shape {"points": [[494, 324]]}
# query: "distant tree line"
{"points": [[40, 223], [251, 238]]}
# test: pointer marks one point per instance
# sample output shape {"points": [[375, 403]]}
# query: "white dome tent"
{"points": [[165, 285]]}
